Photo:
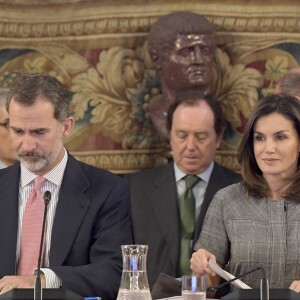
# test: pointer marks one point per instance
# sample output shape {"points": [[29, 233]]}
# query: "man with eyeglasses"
{"points": [[7, 156]]}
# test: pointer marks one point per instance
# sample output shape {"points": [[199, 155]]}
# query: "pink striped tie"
{"points": [[31, 229]]}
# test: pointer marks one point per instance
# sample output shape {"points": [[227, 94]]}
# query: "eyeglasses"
{"points": [[5, 124]]}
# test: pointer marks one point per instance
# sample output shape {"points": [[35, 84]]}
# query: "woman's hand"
{"points": [[199, 262], [295, 286]]}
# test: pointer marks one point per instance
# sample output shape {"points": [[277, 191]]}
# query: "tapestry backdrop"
{"points": [[98, 49]]}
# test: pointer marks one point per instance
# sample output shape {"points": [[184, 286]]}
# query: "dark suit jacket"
{"points": [[91, 223], [155, 214]]}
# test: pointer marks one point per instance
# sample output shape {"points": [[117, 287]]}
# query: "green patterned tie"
{"points": [[187, 217]]}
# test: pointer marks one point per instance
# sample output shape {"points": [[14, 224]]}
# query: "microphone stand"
{"points": [[213, 288], [264, 286], [38, 293]]}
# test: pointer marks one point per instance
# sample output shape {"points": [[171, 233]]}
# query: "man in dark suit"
{"points": [[195, 123], [7, 157], [88, 216]]}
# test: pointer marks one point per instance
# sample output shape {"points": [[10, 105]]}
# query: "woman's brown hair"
{"points": [[254, 182]]}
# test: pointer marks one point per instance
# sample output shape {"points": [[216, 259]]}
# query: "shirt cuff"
{"points": [[52, 280]]}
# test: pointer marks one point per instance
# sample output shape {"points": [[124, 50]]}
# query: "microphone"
{"points": [[37, 283], [213, 288]]}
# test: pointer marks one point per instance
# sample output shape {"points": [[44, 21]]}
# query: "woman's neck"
{"points": [[278, 188]]}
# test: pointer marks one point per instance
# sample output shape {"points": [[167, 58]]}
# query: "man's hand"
{"points": [[27, 281], [199, 262]]}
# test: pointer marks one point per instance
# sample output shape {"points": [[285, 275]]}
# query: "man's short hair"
{"points": [[192, 97], [3, 95], [289, 84], [26, 88]]}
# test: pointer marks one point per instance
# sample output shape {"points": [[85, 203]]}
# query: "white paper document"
{"points": [[227, 276]]}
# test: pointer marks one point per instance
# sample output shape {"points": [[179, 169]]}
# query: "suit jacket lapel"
{"points": [[71, 208], [9, 218], [165, 205]]}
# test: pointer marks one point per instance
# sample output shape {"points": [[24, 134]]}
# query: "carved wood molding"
{"points": [[93, 18], [119, 161]]}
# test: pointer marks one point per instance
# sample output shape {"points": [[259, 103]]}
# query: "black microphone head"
{"points": [[47, 197], [212, 289]]}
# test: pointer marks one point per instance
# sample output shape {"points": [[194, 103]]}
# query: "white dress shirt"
{"points": [[2, 165]]}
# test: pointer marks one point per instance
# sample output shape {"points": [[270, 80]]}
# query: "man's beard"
{"points": [[38, 160]]}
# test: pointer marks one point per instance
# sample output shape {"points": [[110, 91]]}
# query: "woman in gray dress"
{"points": [[256, 223]]}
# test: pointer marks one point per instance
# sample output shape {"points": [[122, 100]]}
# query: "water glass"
{"points": [[193, 287]]}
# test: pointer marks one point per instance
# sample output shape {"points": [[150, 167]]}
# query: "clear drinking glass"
{"points": [[193, 287], [134, 282]]}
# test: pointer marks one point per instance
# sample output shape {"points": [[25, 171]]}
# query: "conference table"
{"points": [[180, 298]]}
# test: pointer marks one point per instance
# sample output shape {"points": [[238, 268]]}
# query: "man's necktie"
{"points": [[31, 229], [187, 217]]}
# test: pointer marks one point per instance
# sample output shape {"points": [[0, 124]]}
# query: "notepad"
{"points": [[227, 276]]}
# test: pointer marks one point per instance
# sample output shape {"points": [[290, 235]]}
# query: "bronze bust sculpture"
{"points": [[182, 48]]}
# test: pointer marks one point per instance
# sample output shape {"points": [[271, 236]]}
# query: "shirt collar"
{"points": [[55, 175], [205, 175], [2, 165]]}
